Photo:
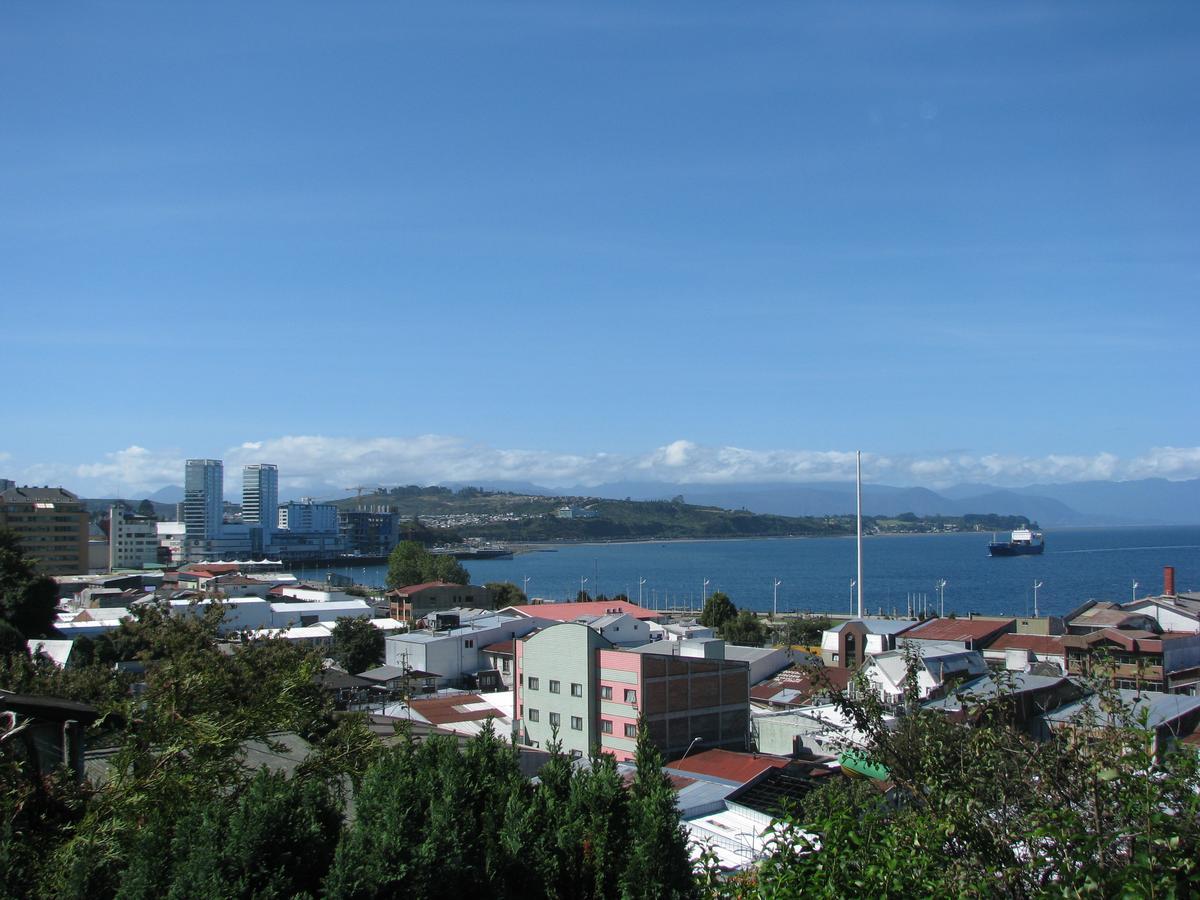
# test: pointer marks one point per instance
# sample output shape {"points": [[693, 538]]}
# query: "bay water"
{"points": [[1078, 564]]}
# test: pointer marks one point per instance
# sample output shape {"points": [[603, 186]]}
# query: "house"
{"points": [[622, 629], [849, 643], [824, 730], [1025, 695], [1099, 616], [966, 634], [689, 630], [456, 650], [792, 688], [935, 667], [576, 686], [47, 732], [1025, 652], [1141, 659], [417, 601], [1168, 716]]}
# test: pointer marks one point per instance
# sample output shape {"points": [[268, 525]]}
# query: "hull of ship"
{"points": [[1015, 549]]}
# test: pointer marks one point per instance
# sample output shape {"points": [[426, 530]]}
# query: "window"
{"points": [[554, 686], [606, 726], [576, 723], [555, 720], [605, 692], [469, 643], [533, 683], [630, 696], [630, 731], [533, 715], [576, 689], [504, 666], [521, 679]]}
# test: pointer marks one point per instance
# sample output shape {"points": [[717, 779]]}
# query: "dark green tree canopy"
{"points": [[505, 593], [27, 598], [410, 563], [718, 609], [745, 629], [357, 644]]}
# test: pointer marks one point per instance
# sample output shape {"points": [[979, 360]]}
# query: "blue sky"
{"points": [[594, 241]]}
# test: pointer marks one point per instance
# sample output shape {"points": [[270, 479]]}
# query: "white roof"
{"points": [[57, 651], [322, 606]]}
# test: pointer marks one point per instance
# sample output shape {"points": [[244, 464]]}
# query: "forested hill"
{"points": [[506, 516]]}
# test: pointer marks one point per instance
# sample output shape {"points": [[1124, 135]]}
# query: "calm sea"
{"points": [[1078, 564]]}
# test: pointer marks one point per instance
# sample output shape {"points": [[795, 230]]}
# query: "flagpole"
{"points": [[858, 495]]}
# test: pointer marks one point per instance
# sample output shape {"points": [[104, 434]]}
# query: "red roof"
{"points": [[728, 764], [417, 588], [499, 647], [1046, 644], [568, 612], [443, 710], [958, 629]]}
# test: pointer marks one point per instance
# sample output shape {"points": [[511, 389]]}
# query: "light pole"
{"points": [[525, 589], [1135, 587], [853, 582], [775, 600], [1036, 585], [641, 584], [703, 593], [582, 582], [941, 586], [694, 742]]}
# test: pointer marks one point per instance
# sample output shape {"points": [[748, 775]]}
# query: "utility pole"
{"points": [[641, 583], [941, 586], [775, 601], [1036, 585]]}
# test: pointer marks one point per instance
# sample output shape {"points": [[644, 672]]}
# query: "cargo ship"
{"points": [[1022, 542], [469, 552]]}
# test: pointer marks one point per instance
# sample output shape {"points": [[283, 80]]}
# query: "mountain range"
{"points": [[1148, 501]]}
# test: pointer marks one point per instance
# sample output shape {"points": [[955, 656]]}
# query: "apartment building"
{"points": [[52, 525], [574, 685], [132, 540]]}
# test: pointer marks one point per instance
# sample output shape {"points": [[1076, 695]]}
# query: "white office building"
{"points": [[203, 497], [260, 495], [306, 516], [132, 540]]}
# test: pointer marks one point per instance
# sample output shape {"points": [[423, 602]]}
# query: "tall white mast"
{"points": [[858, 494]]}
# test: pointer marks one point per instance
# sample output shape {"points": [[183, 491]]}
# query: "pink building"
{"points": [[574, 685]]}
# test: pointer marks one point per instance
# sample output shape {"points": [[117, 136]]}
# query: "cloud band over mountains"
{"points": [[326, 465]]}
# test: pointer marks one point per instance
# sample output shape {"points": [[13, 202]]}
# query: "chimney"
{"points": [[1169, 581]]}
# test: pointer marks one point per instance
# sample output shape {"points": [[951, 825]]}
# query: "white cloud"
{"points": [[327, 465]]}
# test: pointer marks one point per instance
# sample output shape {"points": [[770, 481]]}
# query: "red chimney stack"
{"points": [[1169, 581]]}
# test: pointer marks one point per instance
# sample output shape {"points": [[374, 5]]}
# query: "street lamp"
{"points": [[694, 742], [775, 600], [641, 584], [1135, 587], [582, 582], [1036, 585], [853, 582], [941, 586], [525, 589]]}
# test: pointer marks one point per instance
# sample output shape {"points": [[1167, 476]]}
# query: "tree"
{"points": [[505, 593], [745, 629], [1092, 809], [658, 863], [807, 630], [357, 644], [718, 609], [410, 563], [27, 598], [146, 508]]}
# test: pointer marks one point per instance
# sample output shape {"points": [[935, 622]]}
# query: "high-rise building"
{"points": [[203, 498], [52, 525], [260, 495], [132, 540], [308, 516]]}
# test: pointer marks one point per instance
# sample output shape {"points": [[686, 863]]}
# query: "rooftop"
{"points": [[958, 629], [569, 612], [728, 764], [1038, 643]]}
